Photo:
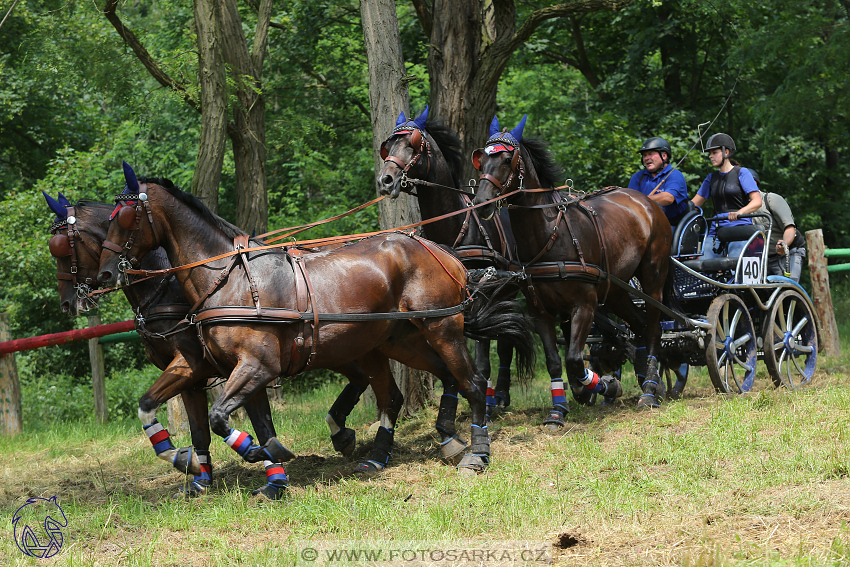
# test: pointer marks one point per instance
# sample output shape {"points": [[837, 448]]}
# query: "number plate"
{"points": [[750, 270]]}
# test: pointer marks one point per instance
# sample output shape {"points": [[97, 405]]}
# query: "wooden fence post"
{"points": [[820, 293], [11, 420], [98, 374]]}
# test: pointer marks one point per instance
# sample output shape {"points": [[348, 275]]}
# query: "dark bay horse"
{"points": [[570, 248], [421, 151], [267, 313], [159, 304]]}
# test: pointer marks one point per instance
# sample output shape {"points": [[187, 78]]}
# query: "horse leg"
{"points": [[545, 328], [502, 393], [247, 379], [344, 439], [652, 337], [195, 401], [445, 336], [581, 320], [389, 400], [259, 412], [176, 378], [482, 363]]}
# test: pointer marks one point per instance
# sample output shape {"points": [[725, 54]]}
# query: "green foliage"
{"points": [[59, 398]]}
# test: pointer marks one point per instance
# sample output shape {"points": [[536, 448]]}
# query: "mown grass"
{"points": [[753, 480]]}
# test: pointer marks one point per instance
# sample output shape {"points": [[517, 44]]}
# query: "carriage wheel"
{"points": [[731, 350], [790, 341]]}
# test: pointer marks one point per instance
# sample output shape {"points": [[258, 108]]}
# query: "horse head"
{"points": [[77, 234], [404, 152], [131, 233], [500, 163]]}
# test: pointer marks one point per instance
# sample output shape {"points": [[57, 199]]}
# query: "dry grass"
{"points": [[706, 481]]}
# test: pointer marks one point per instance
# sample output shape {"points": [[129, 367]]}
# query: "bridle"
{"points": [[517, 167], [65, 245], [420, 144], [128, 209]]}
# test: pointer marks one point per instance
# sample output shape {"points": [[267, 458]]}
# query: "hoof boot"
{"points": [[648, 401], [554, 421], [368, 468], [452, 447], [271, 491], [345, 441], [186, 461], [192, 490], [473, 464]]}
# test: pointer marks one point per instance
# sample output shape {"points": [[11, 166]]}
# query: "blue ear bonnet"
{"points": [[511, 138], [132, 184], [58, 207], [404, 124]]}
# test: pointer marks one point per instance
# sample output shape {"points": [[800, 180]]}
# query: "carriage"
{"points": [[722, 313]]}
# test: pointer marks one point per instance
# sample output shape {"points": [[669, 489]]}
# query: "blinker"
{"points": [[127, 217], [59, 246]]}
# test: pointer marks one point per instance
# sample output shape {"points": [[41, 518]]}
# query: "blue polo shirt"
{"points": [[645, 182]]}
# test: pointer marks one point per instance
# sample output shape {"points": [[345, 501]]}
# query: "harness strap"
{"points": [[241, 243], [302, 266]]}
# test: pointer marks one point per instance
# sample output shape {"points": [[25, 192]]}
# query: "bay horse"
{"points": [[267, 312], [572, 250], [78, 234], [419, 151]]}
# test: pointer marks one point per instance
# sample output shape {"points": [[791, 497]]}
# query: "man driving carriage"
{"points": [[659, 181]]}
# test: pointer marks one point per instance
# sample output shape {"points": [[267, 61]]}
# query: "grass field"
{"points": [[760, 479]]}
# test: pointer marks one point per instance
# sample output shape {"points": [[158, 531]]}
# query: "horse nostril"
{"points": [[105, 276], [387, 180]]}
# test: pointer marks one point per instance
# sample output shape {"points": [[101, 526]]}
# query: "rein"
{"points": [[317, 242]]}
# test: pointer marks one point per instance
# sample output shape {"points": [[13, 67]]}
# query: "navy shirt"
{"points": [[645, 182]]}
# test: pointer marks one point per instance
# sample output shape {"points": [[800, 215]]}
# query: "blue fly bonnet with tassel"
{"points": [[405, 126], [504, 141]]}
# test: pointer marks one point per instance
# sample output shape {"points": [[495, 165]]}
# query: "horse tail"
{"points": [[495, 314]]}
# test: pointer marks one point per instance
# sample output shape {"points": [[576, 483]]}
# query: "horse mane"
{"points": [[196, 205], [549, 173], [451, 147]]}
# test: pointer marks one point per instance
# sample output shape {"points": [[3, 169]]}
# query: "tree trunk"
{"points": [[387, 97], [248, 135], [211, 76]]}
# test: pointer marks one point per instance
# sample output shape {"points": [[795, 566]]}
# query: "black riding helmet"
{"points": [[723, 142], [658, 145]]}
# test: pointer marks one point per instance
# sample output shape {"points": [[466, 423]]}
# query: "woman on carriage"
{"points": [[732, 190]]}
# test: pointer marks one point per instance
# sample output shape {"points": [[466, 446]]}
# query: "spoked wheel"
{"points": [[731, 350], [790, 341]]}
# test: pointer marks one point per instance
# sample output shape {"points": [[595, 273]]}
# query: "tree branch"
{"points": [[142, 55], [423, 12]]}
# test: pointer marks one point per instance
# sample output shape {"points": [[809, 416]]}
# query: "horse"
{"points": [[77, 240], [417, 151], [573, 250], [262, 312]]}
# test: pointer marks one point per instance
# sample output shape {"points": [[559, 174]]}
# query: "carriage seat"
{"points": [[689, 232], [712, 264], [740, 232]]}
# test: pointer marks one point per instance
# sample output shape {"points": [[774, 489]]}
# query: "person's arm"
{"points": [[751, 207], [787, 238], [699, 200], [663, 198]]}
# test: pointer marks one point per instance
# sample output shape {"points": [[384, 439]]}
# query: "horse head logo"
{"points": [[46, 512]]}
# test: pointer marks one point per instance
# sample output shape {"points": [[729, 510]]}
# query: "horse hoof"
{"points": [[554, 421], [677, 390], [271, 491], [368, 468], [193, 490], [186, 461], [648, 401], [345, 441], [452, 447], [495, 411], [473, 464]]}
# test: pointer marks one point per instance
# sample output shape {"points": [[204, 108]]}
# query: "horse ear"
{"points": [[517, 132], [63, 200], [422, 119], [494, 126], [401, 119], [55, 206], [476, 159], [130, 177]]}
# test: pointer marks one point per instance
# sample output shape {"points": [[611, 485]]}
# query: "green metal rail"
{"points": [[835, 253]]}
